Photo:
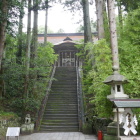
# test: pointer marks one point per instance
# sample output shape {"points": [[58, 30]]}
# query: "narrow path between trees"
{"points": [[59, 136]]}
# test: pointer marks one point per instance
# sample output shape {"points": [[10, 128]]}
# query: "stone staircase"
{"points": [[61, 113]]}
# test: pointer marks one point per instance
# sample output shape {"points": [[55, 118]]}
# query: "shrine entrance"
{"points": [[66, 51], [67, 59]]}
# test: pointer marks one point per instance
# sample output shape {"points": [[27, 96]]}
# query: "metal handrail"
{"points": [[80, 99], [44, 101]]}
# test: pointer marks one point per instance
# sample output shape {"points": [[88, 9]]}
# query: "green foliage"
{"points": [[98, 64], [87, 128], [130, 5], [129, 47], [97, 68], [93, 24], [14, 98], [14, 86], [7, 119], [7, 115], [14, 8], [11, 49]]}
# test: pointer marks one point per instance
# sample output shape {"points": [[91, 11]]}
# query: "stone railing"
{"points": [[80, 99], [44, 101]]}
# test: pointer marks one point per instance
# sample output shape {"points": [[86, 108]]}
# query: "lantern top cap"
{"points": [[115, 78]]}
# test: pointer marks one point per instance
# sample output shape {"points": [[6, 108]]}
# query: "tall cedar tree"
{"points": [[28, 45], [86, 18], [113, 34], [100, 18], [3, 24]]}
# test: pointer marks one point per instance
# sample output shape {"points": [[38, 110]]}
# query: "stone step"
{"points": [[59, 118], [60, 73], [63, 96], [66, 77], [61, 112], [63, 99], [66, 110], [70, 90], [64, 82], [59, 102], [62, 107], [65, 106], [60, 115], [59, 129], [63, 76], [64, 92], [64, 86], [74, 89], [60, 123], [55, 126], [66, 69], [67, 80], [58, 76]]}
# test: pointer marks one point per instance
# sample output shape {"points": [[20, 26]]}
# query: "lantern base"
{"points": [[110, 137], [112, 131], [117, 96]]}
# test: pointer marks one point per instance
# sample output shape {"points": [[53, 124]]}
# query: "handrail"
{"points": [[80, 99], [44, 101]]}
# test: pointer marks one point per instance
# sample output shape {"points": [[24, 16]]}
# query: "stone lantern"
{"points": [[116, 81]]}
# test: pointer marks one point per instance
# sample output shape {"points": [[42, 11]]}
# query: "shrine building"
{"points": [[64, 46]]}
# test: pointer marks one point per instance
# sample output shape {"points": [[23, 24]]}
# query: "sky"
{"points": [[58, 18]]}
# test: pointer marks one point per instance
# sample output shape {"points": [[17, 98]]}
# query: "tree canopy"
{"points": [[23, 83]]}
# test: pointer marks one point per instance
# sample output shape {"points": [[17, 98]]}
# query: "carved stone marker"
{"points": [[13, 132]]}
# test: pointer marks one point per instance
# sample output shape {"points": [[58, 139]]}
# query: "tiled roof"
{"points": [[56, 38]]}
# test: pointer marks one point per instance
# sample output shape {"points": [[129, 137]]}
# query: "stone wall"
{"points": [[4, 124]]}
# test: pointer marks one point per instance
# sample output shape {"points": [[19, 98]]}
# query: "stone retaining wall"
{"points": [[4, 124]]}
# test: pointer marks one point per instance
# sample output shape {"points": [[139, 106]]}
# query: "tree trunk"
{"points": [[100, 18], [19, 53], [113, 34], [120, 14], [3, 25], [28, 44], [106, 23], [34, 46], [35, 32], [46, 21], [87, 27]]}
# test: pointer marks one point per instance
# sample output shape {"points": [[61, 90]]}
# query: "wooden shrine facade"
{"points": [[66, 51], [64, 46]]}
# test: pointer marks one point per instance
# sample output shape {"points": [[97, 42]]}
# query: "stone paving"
{"points": [[58, 136]]}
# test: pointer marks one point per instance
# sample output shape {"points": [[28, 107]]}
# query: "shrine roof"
{"points": [[65, 34], [126, 103], [56, 38]]}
